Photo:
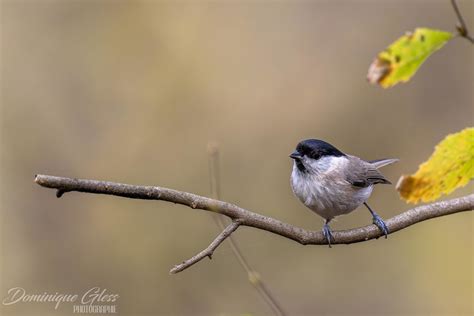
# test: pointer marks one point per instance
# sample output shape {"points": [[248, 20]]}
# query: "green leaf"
{"points": [[450, 166], [400, 61]]}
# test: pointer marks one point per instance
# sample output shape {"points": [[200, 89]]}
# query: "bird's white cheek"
{"points": [[327, 164]]}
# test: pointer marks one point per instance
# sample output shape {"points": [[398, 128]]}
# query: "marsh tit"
{"points": [[332, 183]]}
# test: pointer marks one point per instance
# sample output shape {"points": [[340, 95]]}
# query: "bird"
{"points": [[332, 183]]}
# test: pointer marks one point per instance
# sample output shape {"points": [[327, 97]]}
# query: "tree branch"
{"points": [[209, 250], [248, 218], [461, 26]]}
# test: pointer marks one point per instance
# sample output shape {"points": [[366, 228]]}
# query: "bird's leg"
{"points": [[327, 232], [378, 221]]}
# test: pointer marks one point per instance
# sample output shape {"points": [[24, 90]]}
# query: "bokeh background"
{"points": [[133, 91]]}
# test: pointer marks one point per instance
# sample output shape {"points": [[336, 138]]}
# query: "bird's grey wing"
{"points": [[363, 174]]}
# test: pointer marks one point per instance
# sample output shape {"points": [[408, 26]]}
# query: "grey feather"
{"points": [[363, 174], [379, 163]]}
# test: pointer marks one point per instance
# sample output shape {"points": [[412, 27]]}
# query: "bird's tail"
{"points": [[379, 163]]}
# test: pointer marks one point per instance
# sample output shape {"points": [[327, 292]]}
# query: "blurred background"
{"points": [[133, 91]]}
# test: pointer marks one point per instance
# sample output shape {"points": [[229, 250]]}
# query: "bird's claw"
{"points": [[328, 234], [378, 221]]}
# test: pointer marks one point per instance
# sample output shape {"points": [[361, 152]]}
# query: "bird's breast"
{"points": [[328, 195]]}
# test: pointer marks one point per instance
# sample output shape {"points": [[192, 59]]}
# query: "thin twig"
{"points": [[251, 219], [461, 27], [253, 276], [209, 250]]}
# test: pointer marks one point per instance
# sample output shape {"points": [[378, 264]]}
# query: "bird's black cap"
{"points": [[315, 148]]}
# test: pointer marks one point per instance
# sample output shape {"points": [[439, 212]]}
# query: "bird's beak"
{"points": [[295, 155]]}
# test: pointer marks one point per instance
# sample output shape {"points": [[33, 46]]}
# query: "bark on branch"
{"points": [[209, 250], [243, 217]]}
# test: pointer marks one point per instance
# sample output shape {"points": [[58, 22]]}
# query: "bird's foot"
{"points": [[328, 234], [378, 221]]}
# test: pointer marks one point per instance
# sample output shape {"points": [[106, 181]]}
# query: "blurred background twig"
{"points": [[253, 276], [461, 26]]}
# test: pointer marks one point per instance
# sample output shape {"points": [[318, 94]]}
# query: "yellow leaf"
{"points": [[450, 166], [400, 61]]}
